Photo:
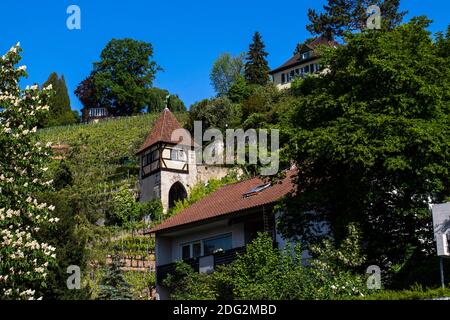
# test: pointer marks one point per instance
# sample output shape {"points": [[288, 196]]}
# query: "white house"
{"points": [[305, 61], [211, 231]]}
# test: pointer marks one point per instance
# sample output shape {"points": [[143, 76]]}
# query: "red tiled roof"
{"points": [[162, 130], [230, 199], [296, 59]]}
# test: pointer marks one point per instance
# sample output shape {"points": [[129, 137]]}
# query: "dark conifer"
{"points": [[256, 66]]}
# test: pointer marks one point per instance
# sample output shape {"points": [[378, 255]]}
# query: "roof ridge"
{"points": [[259, 177], [163, 123]]}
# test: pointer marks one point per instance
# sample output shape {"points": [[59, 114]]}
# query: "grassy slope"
{"points": [[106, 142], [116, 137], [104, 145]]}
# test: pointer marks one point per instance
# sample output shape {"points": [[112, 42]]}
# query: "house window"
{"points": [[196, 249], [191, 250], [283, 78], [307, 69], [206, 247], [221, 243], [306, 55], [291, 75], [186, 251]]}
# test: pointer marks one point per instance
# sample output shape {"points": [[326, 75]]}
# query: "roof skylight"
{"points": [[256, 190]]}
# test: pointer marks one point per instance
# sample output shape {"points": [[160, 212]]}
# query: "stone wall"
{"points": [[205, 172]]}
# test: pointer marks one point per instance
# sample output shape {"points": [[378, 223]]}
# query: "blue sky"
{"points": [[187, 35]]}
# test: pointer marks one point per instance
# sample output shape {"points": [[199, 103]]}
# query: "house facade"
{"points": [[213, 230], [305, 61]]}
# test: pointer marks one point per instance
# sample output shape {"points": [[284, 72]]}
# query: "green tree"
{"points": [[157, 101], [113, 285], [25, 254], [60, 111], [371, 140], [124, 208], [87, 94], [225, 71], [152, 209], [340, 16], [443, 43], [261, 100], [127, 212], [70, 239], [121, 79], [256, 65], [218, 113], [239, 90], [185, 284], [267, 273], [299, 46]]}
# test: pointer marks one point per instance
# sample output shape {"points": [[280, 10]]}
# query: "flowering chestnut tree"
{"points": [[24, 256]]}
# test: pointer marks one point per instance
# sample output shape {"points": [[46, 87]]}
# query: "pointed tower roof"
{"points": [[162, 130]]}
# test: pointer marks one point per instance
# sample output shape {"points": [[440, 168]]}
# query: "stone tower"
{"points": [[168, 167]]}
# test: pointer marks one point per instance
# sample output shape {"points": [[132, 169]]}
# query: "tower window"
{"points": [[177, 155], [151, 157], [150, 162]]}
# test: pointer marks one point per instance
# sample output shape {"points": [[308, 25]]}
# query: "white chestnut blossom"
{"points": [[24, 258]]}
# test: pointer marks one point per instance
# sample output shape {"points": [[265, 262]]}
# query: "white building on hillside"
{"points": [[304, 62]]}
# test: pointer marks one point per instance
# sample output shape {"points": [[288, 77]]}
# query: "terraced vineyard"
{"points": [[109, 145], [107, 140], [101, 157]]}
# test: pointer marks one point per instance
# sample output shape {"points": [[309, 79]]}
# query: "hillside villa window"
{"points": [[306, 55], [310, 68], [291, 75], [283, 78], [206, 246], [98, 112]]}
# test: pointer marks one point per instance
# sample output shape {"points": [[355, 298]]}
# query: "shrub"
{"points": [[416, 292], [113, 284], [201, 190], [267, 273]]}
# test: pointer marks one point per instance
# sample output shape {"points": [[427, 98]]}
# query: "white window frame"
{"points": [[178, 152], [202, 245]]}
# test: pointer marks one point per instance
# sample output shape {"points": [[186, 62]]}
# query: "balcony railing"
{"points": [[220, 258]]}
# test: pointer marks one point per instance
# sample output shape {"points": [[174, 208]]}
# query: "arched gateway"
{"points": [[176, 193]]}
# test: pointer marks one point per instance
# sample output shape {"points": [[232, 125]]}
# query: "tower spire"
{"points": [[167, 102]]}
